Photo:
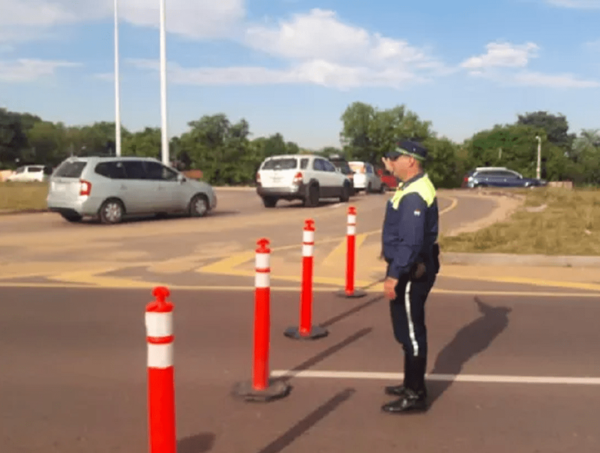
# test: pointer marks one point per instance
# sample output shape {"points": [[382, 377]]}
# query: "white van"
{"points": [[300, 177], [31, 173], [365, 178]]}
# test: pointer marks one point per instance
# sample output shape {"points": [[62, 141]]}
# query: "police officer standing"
{"points": [[410, 249]]}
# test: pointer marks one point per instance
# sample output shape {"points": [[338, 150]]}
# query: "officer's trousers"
{"points": [[408, 313]]}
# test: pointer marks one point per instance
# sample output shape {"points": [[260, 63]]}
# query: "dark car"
{"points": [[499, 177], [342, 164]]}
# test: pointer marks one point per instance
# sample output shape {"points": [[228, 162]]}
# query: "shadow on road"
{"points": [[468, 342], [283, 441], [200, 443], [326, 353], [350, 312]]}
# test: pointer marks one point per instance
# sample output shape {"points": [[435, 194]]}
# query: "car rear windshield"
{"points": [[281, 164], [70, 169]]}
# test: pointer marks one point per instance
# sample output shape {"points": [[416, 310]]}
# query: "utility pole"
{"points": [[539, 157]]}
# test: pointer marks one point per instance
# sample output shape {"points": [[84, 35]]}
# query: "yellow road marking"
{"points": [[149, 286], [227, 265], [92, 279], [338, 254]]}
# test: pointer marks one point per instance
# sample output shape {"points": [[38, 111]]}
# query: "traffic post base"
{"points": [[275, 390], [354, 294], [314, 333]]}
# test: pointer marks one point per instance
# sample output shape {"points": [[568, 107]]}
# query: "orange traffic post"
{"points": [[261, 388], [350, 291], [305, 329], [161, 386]]}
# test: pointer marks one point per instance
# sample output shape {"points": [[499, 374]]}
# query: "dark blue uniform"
{"points": [[409, 237], [410, 233]]}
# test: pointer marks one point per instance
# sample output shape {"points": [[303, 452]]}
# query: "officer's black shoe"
{"points": [[409, 403], [395, 390]]}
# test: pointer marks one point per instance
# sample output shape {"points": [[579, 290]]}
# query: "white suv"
{"points": [[300, 177]]}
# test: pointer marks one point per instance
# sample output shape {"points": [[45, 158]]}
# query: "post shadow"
{"points": [[200, 443], [283, 441], [472, 339], [335, 319], [326, 353]]}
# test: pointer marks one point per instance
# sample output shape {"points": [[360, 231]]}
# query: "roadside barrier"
{"points": [[261, 388], [305, 329], [350, 291], [161, 387]]}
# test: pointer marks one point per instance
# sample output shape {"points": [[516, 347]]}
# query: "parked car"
{"points": [[31, 173], [343, 167], [300, 177], [389, 180], [365, 177], [111, 188], [498, 177]]}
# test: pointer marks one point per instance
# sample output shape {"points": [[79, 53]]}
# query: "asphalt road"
{"points": [[39, 248], [74, 374]]}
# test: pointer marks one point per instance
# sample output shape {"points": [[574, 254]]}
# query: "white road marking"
{"points": [[498, 379]]}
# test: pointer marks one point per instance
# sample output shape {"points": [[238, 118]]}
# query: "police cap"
{"points": [[408, 148]]}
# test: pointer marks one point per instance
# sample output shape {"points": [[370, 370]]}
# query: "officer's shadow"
{"points": [[468, 342]]}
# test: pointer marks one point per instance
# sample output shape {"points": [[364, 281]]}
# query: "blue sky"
{"points": [[293, 66]]}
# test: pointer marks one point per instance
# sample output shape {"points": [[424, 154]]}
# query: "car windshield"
{"points": [[70, 169], [289, 163], [342, 165]]}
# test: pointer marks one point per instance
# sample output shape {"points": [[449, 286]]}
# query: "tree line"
{"points": [[226, 153]]}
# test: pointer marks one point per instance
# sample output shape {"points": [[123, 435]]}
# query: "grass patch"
{"points": [[23, 196], [569, 225]]}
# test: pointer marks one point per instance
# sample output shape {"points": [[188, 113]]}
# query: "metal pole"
{"points": [[539, 156], [117, 83], [163, 83]]}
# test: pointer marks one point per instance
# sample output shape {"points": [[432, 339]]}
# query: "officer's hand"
{"points": [[389, 286], [387, 164]]}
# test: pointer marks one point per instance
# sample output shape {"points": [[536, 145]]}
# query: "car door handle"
{"points": [[123, 186]]}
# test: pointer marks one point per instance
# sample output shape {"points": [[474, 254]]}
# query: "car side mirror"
{"points": [[181, 178]]}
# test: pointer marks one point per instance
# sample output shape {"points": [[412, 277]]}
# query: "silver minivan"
{"points": [[110, 188]]}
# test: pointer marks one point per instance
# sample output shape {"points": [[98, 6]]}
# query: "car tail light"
{"points": [[85, 188], [297, 179], [257, 178]]}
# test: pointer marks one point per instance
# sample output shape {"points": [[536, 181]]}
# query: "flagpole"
{"points": [[163, 85], [117, 83]]}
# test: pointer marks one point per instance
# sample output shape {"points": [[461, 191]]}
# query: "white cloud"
{"points": [[318, 48], [501, 61], [575, 4], [317, 72], [536, 79], [32, 19], [29, 70], [502, 54], [320, 35]]}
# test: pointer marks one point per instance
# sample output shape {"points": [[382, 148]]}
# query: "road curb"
{"points": [[506, 259], [24, 211]]}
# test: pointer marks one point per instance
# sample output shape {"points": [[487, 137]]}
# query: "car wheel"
{"points": [[269, 202], [111, 212], [312, 199], [345, 194], [198, 206]]}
